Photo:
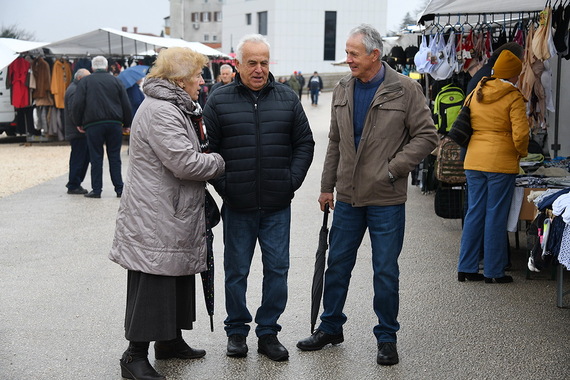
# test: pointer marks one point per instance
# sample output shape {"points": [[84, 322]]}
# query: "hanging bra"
{"points": [[448, 63], [421, 58]]}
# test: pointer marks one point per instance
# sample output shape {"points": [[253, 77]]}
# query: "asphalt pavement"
{"points": [[62, 301]]}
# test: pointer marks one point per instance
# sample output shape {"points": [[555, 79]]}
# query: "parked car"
{"points": [[7, 111]]}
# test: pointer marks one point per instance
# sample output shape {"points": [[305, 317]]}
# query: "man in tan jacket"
{"points": [[381, 128]]}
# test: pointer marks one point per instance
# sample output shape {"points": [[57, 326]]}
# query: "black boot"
{"points": [[135, 364]]}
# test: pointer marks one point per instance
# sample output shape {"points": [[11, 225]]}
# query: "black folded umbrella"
{"points": [[318, 275], [208, 277]]}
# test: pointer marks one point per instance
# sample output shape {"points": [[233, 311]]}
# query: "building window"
{"points": [[218, 16], [330, 35], [262, 23], [248, 19], [214, 38], [195, 16], [206, 37], [206, 16]]}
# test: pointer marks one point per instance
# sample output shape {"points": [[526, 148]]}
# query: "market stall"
{"points": [[533, 24]]}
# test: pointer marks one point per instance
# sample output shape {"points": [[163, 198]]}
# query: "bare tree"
{"points": [[12, 31]]}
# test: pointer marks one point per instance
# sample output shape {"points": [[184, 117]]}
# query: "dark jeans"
{"points": [[111, 136], [78, 162], [385, 225], [315, 96], [242, 230]]}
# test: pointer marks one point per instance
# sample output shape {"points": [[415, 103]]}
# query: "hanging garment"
{"points": [[448, 61], [61, 78], [543, 35], [42, 94], [527, 77], [17, 75], [421, 59], [468, 51], [564, 254]]}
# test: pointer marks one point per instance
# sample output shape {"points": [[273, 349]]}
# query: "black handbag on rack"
{"points": [[461, 129]]}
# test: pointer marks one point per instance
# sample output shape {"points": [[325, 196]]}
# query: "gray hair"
{"points": [[99, 63], [371, 38], [255, 38], [225, 66], [81, 73]]}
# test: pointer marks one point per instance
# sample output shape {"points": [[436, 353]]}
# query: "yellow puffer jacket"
{"points": [[500, 129]]}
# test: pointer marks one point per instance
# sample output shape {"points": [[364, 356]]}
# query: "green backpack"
{"points": [[447, 105]]}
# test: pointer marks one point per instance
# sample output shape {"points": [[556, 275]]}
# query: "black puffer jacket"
{"points": [[101, 97], [265, 140]]}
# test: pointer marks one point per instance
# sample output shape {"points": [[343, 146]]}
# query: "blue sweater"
{"points": [[363, 95]]}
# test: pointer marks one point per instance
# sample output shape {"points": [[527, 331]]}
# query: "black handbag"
{"points": [[212, 210], [461, 129]]}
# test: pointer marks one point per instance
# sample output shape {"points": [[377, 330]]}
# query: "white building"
{"points": [[305, 35]]}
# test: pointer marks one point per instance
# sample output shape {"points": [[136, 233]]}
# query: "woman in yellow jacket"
{"points": [[500, 138]]}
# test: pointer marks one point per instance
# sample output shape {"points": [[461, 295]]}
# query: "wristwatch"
{"points": [[392, 178]]}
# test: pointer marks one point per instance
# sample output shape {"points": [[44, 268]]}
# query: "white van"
{"points": [[7, 111]]}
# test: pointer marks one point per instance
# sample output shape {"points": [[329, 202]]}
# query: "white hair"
{"points": [[255, 38], [99, 63]]}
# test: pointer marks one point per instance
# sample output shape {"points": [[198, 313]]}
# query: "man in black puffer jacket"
{"points": [[260, 129]]}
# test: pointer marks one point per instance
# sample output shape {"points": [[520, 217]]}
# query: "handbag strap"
{"points": [[468, 100]]}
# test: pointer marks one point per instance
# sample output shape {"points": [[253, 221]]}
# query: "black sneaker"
{"points": [[237, 347], [270, 346], [92, 195]]}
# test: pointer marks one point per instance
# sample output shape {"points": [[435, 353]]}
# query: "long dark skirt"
{"points": [[158, 306]]}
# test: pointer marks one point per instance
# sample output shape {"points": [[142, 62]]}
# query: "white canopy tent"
{"points": [[111, 42], [511, 9], [464, 7], [10, 48]]}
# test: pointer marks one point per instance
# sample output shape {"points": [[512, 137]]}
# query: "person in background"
{"points": [[79, 156], [102, 108], [301, 80], [226, 76], [380, 129], [294, 83], [160, 235], [315, 86], [260, 129], [500, 138], [136, 96]]}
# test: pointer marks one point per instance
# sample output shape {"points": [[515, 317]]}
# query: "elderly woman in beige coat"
{"points": [[160, 236]]}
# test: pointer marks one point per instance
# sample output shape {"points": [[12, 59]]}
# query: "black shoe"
{"points": [[318, 340], [77, 191], [387, 353], [176, 348], [270, 346], [237, 347], [119, 194], [138, 368], [499, 280], [462, 276], [93, 195]]}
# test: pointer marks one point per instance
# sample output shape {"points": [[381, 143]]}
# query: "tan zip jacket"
{"points": [[398, 133]]}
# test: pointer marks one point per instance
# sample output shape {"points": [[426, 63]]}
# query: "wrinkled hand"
{"points": [[325, 198]]}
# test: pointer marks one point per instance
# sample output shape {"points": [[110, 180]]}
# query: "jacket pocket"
{"points": [[181, 203]]}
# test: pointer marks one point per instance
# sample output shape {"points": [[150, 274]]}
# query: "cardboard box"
{"points": [[528, 209]]}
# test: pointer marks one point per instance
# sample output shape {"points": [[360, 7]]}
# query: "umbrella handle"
{"points": [[326, 215]]}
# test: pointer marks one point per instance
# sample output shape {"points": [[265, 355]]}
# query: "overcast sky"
{"points": [[54, 20]]}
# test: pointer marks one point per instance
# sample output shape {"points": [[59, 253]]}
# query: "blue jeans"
{"points": [[111, 136], [78, 162], [489, 200], [242, 230], [386, 226]]}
